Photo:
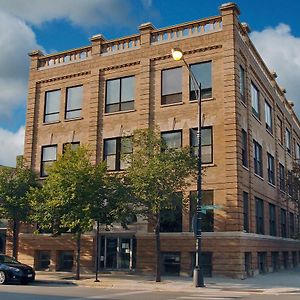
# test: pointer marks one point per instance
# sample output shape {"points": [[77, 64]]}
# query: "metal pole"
{"points": [[198, 274], [97, 251]]}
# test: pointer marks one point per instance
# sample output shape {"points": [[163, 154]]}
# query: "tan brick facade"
{"points": [[224, 41]]}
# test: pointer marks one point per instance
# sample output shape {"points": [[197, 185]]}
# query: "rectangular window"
{"points": [[281, 178], [290, 183], [242, 84], [292, 225], [117, 153], [257, 155], [260, 229], [120, 94], [171, 90], [268, 117], [283, 222], [74, 102], [297, 152], [244, 148], [72, 145], [255, 101], [206, 144], [288, 140], [246, 211], [272, 219], [52, 106], [202, 72], [207, 222], [271, 168], [49, 154], [280, 131], [171, 219], [173, 139]]}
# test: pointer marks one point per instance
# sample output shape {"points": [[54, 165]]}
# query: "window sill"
{"points": [[270, 132], [272, 185], [172, 104], [257, 119], [258, 176], [50, 123], [281, 145], [119, 112], [203, 100], [289, 153], [209, 165], [243, 103], [73, 119], [246, 168]]}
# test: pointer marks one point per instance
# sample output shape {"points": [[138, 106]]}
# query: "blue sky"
{"points": [[57, 25]]}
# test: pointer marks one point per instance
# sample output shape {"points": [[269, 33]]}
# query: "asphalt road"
{"points": [[66, 292]]}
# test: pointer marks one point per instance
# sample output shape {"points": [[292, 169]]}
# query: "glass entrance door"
{"points": [[111, 253], [125, 252]]}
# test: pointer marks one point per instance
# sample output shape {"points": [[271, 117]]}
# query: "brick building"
{"points": [[100, 93]]}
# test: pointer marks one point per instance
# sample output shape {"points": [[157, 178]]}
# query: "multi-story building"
{"points": [[98, 94]]}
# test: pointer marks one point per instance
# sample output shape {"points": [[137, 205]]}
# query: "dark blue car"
{"points": [[12, 270]]}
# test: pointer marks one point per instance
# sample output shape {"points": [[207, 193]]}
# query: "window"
{"points": [[297, 152], [280, 131], [202, 72], [72, 145], [48, 157], [171, 219], [244, 148], [292, 225], [288, 140], [281, 178], [242, 84], [272, 219], [65, 261], [271, 169], [172, 139], [52, 106], [74, 102], [257, 154], [255, 101], [283, 222], [259, 216], [268, 116], [290, 183], [206, 144], [171, 86], [42, 262], [246, 211], [117, 153], [262, 262], [207, 222], [120, 94]]}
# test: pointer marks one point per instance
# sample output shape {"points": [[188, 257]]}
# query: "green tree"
{"points": [[15, 184], [74, 195], [154, 176]]}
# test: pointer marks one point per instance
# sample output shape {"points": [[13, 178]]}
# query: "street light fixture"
{"points": [[177, 55]]}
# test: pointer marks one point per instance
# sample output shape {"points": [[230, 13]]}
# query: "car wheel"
{"points": [[2, 277]]}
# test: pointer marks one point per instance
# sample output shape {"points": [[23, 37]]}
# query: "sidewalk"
{"points": [[282, 281]]}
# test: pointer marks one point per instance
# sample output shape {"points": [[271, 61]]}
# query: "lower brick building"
{"points": [[98, 94]]}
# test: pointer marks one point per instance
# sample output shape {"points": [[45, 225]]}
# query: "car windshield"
{"points": [[8, 259]]}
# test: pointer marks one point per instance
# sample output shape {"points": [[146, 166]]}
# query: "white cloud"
{"points": [[16, 40], [280, 49], [84, 13], [11, 145]]}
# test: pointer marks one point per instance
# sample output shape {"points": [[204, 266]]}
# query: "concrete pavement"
{"points": [[277, 282]]}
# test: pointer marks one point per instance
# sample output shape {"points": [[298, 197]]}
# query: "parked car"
{"points": [[12, 270]]}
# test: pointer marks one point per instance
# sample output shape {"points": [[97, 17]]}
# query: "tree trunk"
{"points": [[15, 238], [158, 255], [78, 246]]}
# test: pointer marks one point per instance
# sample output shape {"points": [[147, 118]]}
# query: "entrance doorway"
{"points": [[117, 253]]}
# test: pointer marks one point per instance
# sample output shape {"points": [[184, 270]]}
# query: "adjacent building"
{"points": [[99, 94]]}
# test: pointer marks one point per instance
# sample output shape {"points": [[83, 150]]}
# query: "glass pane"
{"points": [[171, 81], [113, 91], [206, 136], [49, 153], [172, 139], [127, 92], [73, 114], [112, 108], [75, 95], [202, 73], [206, 154], [110, 146], [52, 102], [111, 162], [45, 166], [52, 118], [255, 99], [127, 105], [173, 98]]}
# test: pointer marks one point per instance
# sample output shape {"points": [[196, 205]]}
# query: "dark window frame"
{"points": [[292, 224], [246, 211], [259, 215], [257, 158], [255, 112], [164, 100], [242, 84], [271, 168], [269, 127], [45, 106], [245, 148], [170, 132], [272, 219], [119, 103], [282, 177], [288, 140], [66, 103], [283, 223], [42, 168]]}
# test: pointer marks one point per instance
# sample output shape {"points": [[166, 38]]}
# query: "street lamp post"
{"points": [[177, 55]]}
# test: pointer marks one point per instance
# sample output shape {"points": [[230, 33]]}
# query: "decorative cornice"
{"points": [[120, 66], [187, 52], [64, 77]]}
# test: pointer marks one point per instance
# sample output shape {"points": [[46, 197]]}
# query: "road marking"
{"points": [[111, 296]]}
